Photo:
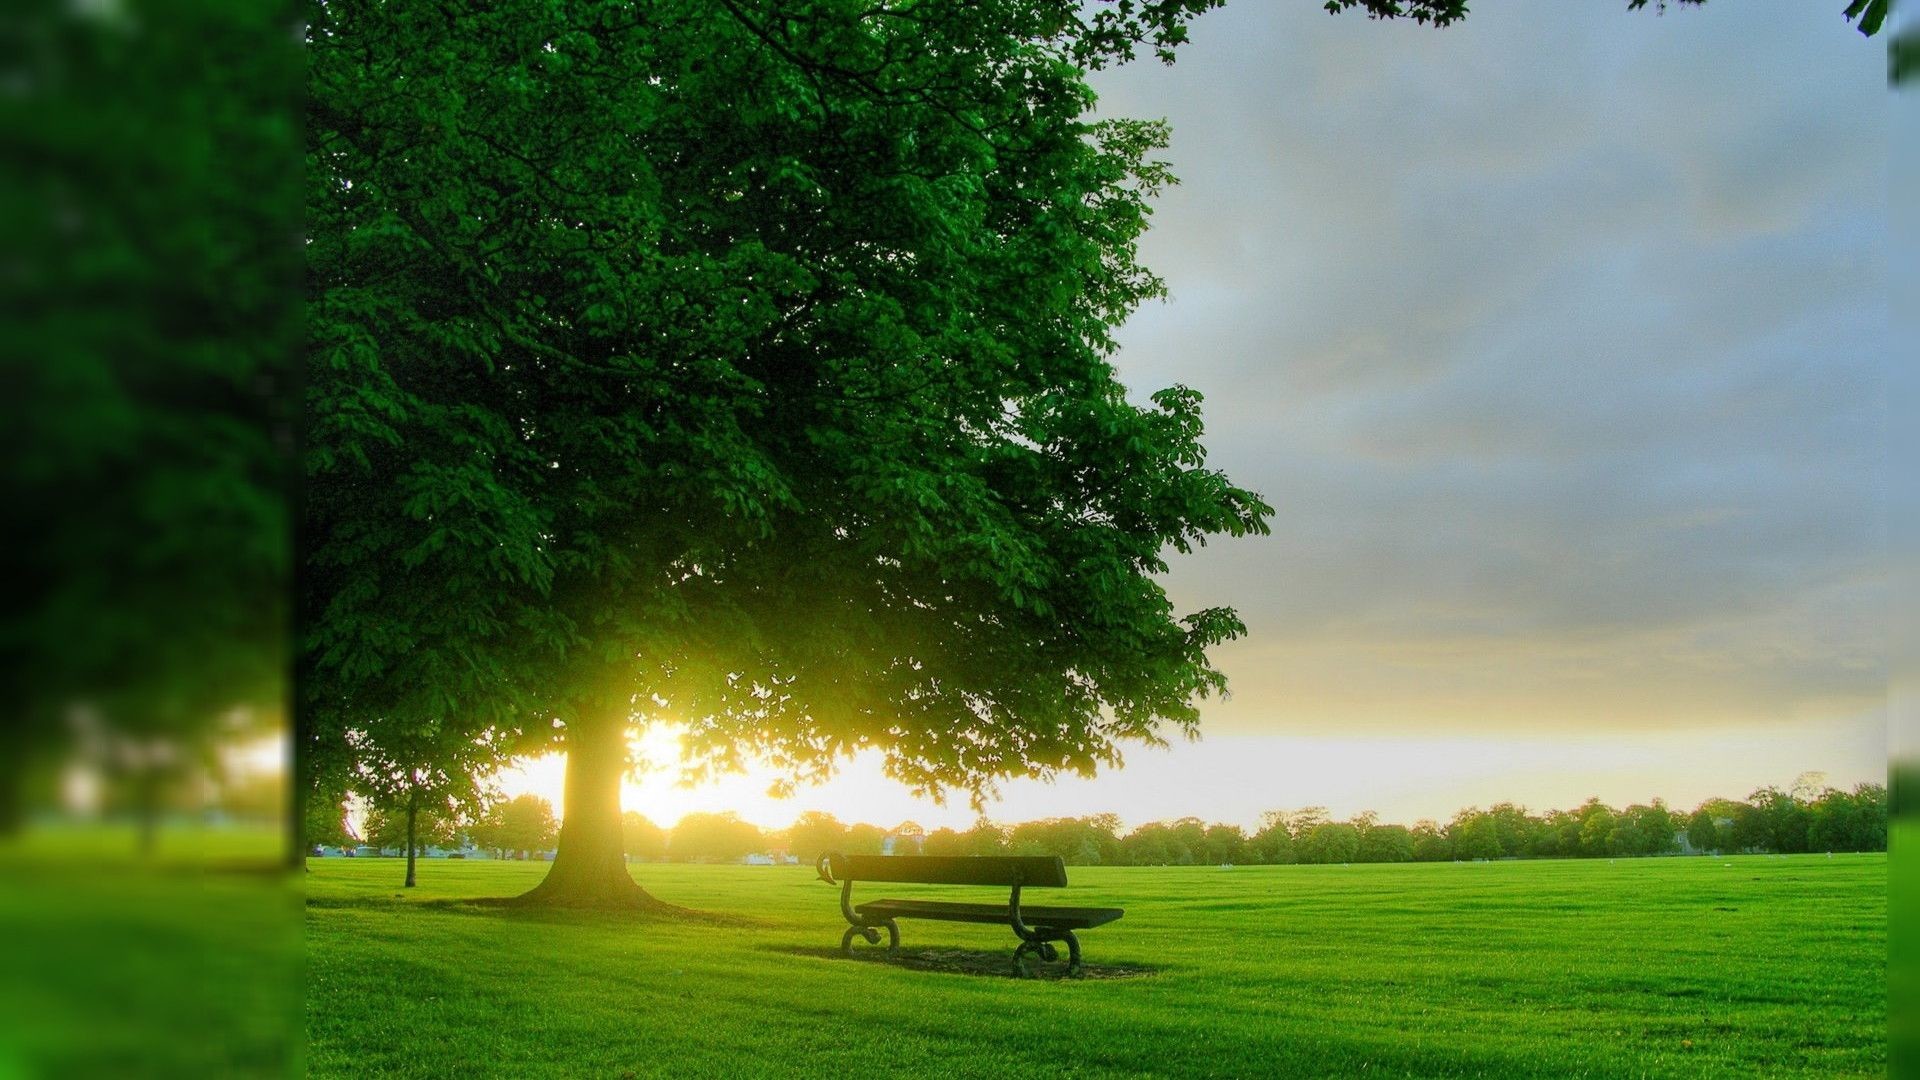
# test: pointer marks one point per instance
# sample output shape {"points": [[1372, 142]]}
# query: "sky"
{"points": [[1560, 348]]}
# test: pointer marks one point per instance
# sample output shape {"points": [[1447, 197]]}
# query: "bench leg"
{"points": [[1021, 968], [872, 934], [1045, 951]]}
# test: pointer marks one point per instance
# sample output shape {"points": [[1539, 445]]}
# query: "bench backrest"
{"points": [[1028, 870]]}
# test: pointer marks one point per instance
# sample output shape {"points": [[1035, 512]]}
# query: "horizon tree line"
{"points": [[1807, 816]]}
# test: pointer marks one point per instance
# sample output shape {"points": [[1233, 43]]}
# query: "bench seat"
{"points": [[1060, 918]]}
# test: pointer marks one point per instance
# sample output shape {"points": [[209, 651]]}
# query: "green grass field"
{"points": [[1691, 967], [185, 964]]}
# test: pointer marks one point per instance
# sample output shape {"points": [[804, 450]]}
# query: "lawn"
{"points": [[1743, 966], [183, 964]]}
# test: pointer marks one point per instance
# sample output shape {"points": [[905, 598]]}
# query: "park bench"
{"points": [[1036, 927]]}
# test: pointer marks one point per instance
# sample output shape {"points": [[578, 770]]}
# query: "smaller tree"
{"points": [[641, 838], [704, 837], [945, 841], [1430, 843], [415, 769], [1703, 831], [1786, 817], [1596, 828], [1386, 843], [518, 827], [325, 823], [1749, 829], [1225, 844], [865, 839], [985, 838], [1474, 834], [1149, 845], [815, 833], [1272, 843], [386, 828], [1329, 842]]}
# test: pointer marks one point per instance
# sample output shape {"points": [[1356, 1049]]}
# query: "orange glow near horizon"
{"points": [[1234, 777]]}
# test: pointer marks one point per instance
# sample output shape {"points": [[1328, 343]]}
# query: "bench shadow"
{"points": [[977, 962]]}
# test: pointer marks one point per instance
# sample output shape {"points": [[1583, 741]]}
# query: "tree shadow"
{"points": [[974, 962], [517, 910]]}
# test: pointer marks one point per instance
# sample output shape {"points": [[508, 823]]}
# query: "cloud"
{"points": [[1560, 347]]}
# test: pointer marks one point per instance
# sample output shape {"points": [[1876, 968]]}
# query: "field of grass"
{"points": [[1685, 967], [182, 964]]}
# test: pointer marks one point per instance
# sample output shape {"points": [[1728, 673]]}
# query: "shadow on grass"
{"points": [[514, 909], [993, 964]]}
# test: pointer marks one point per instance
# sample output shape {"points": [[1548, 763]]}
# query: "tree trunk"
{"points": [[413, 814], [590, 866]]}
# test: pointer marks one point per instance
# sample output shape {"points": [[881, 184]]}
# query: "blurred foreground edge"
{"points": [[148, 407]]}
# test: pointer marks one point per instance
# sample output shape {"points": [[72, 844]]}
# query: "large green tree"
{"points": [[746, 365]]}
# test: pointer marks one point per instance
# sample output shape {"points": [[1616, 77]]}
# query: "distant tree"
{"points": [[984, 838], [1625, 838], [1597, 821], [864, 839], [1807, 788], [1637, 830], [1750, 830], [1386, 843], [1703, 831], [1303, 820], [387, 830], [705, 837], [1870, 821], [1786, 819], [1430, 843], [945, 841], [326, 823], [418, 771], [520, 826], [1566, 826], [1659, 829], [641, 838], [1843, 821], [1085, 841], [1187, 838], [1225, 844], [1034, 838], [1150, 844], [815, 833], [1513, 829], [1556, 834], [1102, 831], [1474, 834], [1272, 843], [1328, 842]]}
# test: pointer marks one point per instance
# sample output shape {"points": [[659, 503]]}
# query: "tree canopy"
{"points": [[748, 365]]}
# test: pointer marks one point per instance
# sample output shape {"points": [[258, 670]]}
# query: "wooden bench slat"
{"points": [[1027, 870], [1064, 918]]}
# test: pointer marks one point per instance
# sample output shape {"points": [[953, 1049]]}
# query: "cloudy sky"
{"points": [[1559, 345]]}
